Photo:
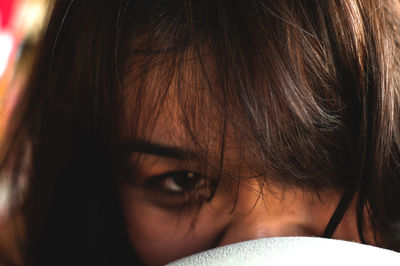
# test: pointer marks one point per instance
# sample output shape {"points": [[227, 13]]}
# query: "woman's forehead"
{"points": [[171, 92]]}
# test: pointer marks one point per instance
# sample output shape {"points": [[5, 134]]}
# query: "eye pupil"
{"points": [[190, 174], [185, 180]]}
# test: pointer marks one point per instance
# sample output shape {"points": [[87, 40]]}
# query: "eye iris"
{"points": [[182, 181]]}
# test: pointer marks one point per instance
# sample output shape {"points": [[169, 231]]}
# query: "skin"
{"points": [[162, 228], [160, 236]]}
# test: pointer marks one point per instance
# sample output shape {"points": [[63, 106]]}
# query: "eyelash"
{"points": [[183, 186]]}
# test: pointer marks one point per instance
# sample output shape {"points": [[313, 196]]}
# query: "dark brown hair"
{"points": [[309, 88]]}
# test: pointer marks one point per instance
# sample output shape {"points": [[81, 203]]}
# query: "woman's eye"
{"points": [[177, 182], [180, 189]]}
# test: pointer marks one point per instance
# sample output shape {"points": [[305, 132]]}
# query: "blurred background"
{"points": [[21, 25], [22, 22]]}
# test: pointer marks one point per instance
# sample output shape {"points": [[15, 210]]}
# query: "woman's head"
{"points": [[177, 126]]}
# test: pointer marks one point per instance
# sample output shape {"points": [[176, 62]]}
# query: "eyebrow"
{"points": [[157, 149]]}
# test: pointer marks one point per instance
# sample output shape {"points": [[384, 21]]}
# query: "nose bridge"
{"points": [[259, 215]]}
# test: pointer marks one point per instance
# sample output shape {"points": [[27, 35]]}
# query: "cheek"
{"points": [[160, 236]]}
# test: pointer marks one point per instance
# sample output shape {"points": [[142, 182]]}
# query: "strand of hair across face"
{"points": [[339, 212]]}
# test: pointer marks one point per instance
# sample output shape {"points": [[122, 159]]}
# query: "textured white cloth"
{"points": [[293, 251]]}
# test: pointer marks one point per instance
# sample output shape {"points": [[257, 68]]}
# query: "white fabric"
{"points": [[293, 251]]}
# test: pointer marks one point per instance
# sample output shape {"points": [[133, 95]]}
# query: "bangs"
{"points": [[261, 98]]}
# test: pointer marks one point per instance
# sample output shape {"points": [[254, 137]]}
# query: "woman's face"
{"points": [[166, 221], [160, 234]]}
